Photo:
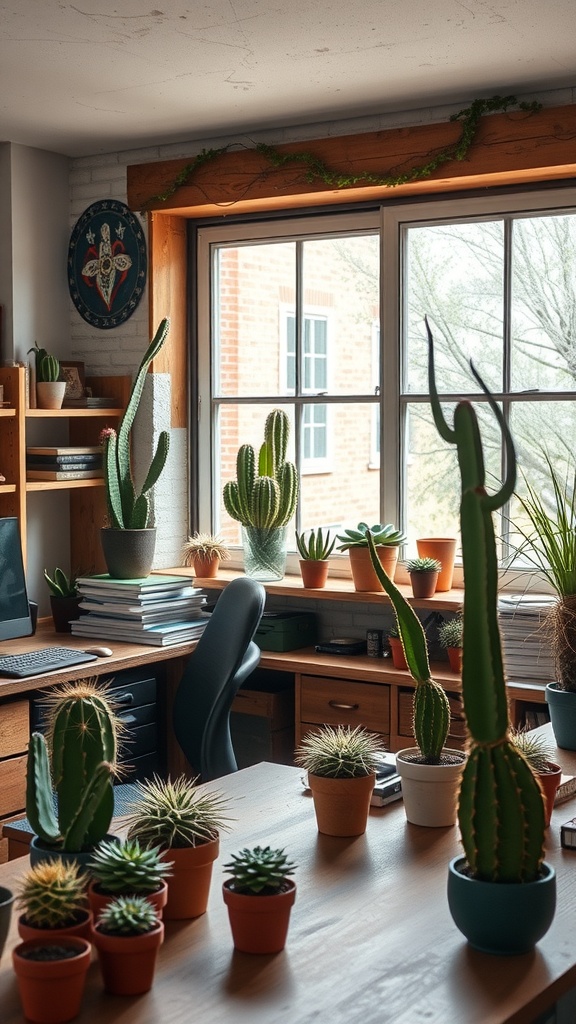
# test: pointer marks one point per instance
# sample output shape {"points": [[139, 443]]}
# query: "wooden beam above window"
{"points": [[512, 148]]}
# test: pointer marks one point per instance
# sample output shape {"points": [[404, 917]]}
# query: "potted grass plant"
{"points": [[51, 977], [184, 822], [341, 765], [315, 548], [501, 891], [53, 901], [430, 772], [387, 540], [450, 637], [127, 936], [259, 896], [204, 552], [125, 868]]}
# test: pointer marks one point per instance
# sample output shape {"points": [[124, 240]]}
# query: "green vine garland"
{"points": [[317, 170]]}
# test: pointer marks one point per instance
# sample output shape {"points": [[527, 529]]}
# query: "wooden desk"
{"points": [[371, 940]]}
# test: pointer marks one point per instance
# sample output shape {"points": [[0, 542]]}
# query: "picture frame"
{"points": [[73, 372]]}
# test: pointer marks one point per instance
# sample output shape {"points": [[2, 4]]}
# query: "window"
{"points": [[324, 316]]}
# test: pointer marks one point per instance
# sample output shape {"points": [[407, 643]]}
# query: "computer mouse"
{"points": [[101, 652]]}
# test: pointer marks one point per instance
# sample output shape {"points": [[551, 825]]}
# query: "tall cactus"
{"points": [[83, 739], [501, 810], [127, 508], [267, 499], [431, 709]]}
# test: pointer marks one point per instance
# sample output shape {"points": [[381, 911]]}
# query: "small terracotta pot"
{"points": [[424, 583], [189, 883], [549, 782], [98, 899], [259, 924], [314, 573], [51, 990], [365, 579], [206, 565], [81, 930], [444, 549], [341, 805], [128, 962], [397, 652], [455, 658]]}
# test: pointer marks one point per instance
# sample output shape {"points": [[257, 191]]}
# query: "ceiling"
{"points": [[96, 77]]}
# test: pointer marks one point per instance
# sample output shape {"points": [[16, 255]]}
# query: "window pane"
{"points": [[454, 274], [544, 304]]}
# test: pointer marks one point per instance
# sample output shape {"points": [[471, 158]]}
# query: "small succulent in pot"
{"points": [[385, 535], [126, 867], [315, 545], [128, 916], [260, 871], [52, 895], [450, 632], [61, 585], [423, 572], [339, 752], [423, 564]]}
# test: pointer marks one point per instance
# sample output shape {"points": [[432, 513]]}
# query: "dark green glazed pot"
{"points": [[499, 917], [562, 708]]}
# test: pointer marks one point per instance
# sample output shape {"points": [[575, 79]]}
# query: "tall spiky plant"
{"points": [[265, 499], [129, 509], [501, 810]]}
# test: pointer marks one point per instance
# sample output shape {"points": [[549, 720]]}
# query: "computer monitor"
{"points": [[15, 617]]}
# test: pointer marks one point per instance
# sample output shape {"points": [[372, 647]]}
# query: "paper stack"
{"points": [[525, 645]]}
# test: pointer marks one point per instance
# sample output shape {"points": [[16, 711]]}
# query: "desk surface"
{"points": [[371, 940]]}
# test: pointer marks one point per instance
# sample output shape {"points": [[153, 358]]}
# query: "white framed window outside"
{"points": [[316, 448]]}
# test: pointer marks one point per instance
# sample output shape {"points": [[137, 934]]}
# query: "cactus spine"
{"points": [[267, 499], [127, 509], [501, 811], [82, 738]]}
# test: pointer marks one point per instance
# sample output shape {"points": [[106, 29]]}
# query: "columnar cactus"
{"points": [[83, 738], [127, 509], [501, 810], [265, 499], [47, 366]]}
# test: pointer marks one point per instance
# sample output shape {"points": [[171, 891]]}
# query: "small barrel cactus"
{"points": [[265, 499], [47, 366], [175, 814], [128, 915], [52, 894], [125, 867], [260, 871]]}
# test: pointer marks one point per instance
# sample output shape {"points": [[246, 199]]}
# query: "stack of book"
{"points": [[157, 610], [525, 646], [64, 463]]}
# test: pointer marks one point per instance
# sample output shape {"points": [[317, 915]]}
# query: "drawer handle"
{"points": [[343, 707], [124, 699]]}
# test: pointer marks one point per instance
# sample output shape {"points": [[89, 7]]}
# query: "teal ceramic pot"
{"points": [[41, 852], [498, 917], [6, 901], [562, 708]]}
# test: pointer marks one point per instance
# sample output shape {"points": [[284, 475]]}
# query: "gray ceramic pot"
{"points": [[128, 553], [6, 901]]}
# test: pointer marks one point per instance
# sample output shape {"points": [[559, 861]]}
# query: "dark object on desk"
{"points": [[225, 656], [286, 631], [345, 646], [47, 659]]}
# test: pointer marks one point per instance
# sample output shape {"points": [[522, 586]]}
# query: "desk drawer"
{"points": [[339, 702], [14, 728], [12, 785]]}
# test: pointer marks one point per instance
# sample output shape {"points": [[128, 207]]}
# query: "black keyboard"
{"points": [[47, 659]]}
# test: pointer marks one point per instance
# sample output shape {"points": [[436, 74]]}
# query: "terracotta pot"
{"points": [[424, 583], [397, 652], [259, 924], [98, 899], [128, 553], [128, 962], [50, 394], [51, 990], [430, 791], [81, 930], [189, 883], [206, 565], [363, 575], [341, 805], [6, 902], [444, 549], [314, 573], [549, 781], [455, 658]]}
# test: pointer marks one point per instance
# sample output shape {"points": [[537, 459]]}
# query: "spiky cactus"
{"points": [[127, 868], [175, 814], [265, 499], [127, 508], [259, 871], [47, 366], [339, 752], [128, 915], [431, 708], [501, 810], [83, 738], [52, 894]]}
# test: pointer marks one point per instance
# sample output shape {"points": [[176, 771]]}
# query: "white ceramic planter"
{"points": [[50, 394], [429, 791]]}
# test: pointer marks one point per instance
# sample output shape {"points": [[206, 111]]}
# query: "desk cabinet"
{"points": [[14, 736], [324, 700]]}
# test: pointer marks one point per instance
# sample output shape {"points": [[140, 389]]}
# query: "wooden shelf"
{"points": [[62, 485], [72, 414]]}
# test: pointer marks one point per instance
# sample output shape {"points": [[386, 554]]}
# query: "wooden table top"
{"points": [[371, 940]]}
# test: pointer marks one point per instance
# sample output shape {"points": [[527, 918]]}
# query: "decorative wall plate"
{"points": [[107, 264]]}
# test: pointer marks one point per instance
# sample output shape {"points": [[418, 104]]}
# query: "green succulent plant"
{"points": [[358, 538], [339, 752], [175, 814], [501, 809], [60, 584], [265, 493], [315, 546], [128, 507], [450, 632], [77, 761], [47, 366], [260, 871], [423, 564], [52, 894], [126, 867], [128, 915]]}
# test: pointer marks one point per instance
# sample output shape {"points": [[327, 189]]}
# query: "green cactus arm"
{"points": [[276, 431], [265, 460], [158, 462], [245, 477], [288, 493], [49, 369], [39, 797], [265, 502], [113, 497], [232, 501], [140, 513], [92, 817]]}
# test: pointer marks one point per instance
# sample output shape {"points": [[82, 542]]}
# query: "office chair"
{"points": [[224, 657]]}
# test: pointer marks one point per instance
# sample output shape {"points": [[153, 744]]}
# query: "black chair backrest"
{"points": [[224, 657]]}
